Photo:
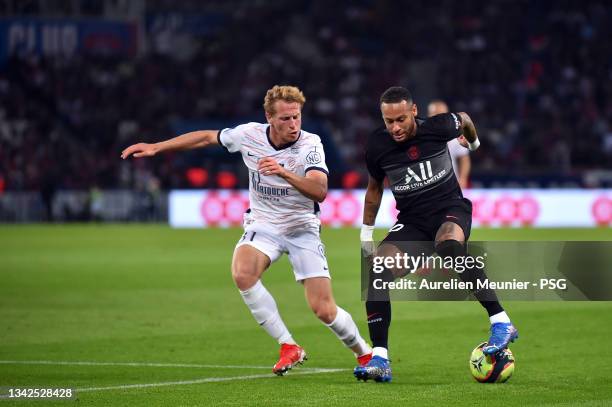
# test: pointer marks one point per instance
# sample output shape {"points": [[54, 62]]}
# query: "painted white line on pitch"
{"points": [[144, 364], [203, 380]]}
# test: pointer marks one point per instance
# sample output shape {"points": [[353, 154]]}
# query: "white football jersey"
{"points": [[456, 150], [272, 199]]}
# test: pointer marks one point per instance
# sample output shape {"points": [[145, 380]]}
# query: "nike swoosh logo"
{"points": [[452, 217], [372, 315], [325, 268], [251, 155]]}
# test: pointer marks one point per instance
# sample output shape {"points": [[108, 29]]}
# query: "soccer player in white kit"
{"points": [[459, 154], [287, 180]]}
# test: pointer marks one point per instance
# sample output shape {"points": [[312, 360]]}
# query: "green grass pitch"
{"points": [[153, 305]]}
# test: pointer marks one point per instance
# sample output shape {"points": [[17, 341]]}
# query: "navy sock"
{"points": [[378, 308], [487, 298]]}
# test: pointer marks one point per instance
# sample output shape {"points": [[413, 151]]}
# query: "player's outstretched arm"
{"points": [[187, 141], [469, 132], [313, 185]]}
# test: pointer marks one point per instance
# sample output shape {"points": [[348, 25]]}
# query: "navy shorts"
{"points": [[423, 228]]}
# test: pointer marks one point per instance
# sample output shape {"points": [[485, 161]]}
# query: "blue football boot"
{"points": [[502, 333], [377, 369]]}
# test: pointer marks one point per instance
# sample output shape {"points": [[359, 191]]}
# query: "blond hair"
{"points": [[285, 93]]}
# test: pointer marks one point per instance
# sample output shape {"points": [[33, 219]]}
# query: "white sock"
{"points": [[264, 309], [499, 317], [382, 352], [345, 329]]}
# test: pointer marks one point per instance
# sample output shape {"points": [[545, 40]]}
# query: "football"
{"points": [[496, 368]]}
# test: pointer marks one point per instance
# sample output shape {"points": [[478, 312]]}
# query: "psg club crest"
{"points": [[413, 153]]}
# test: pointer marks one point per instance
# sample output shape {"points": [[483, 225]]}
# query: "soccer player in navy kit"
{"points": [[412, 153]]}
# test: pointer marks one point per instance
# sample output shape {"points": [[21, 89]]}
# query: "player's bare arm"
{"points": [[187, 141], [313, 185], [371, 205], [465, 164], [468, 130], [373, 197]]}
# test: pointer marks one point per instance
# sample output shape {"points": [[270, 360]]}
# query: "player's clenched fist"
{"points": [[269, 166], [139, 150]]}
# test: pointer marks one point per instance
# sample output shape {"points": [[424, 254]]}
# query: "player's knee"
{"points": [[326, 311], [244, 276], [450, 231]]}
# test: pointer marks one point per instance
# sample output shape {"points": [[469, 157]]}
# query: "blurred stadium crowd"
{"points": [[535, 76]]}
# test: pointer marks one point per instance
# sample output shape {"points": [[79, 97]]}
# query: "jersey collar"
{"points": [[281, 147]]}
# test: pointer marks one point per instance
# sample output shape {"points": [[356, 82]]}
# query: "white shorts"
{"points": [[305, 249]]}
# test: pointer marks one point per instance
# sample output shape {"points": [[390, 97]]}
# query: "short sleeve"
{"points": [[445, 125], [231, 137], [374, 168], [313, 158]]}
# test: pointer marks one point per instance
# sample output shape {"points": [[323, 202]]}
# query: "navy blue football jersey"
{"points": [[420, 169]]}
